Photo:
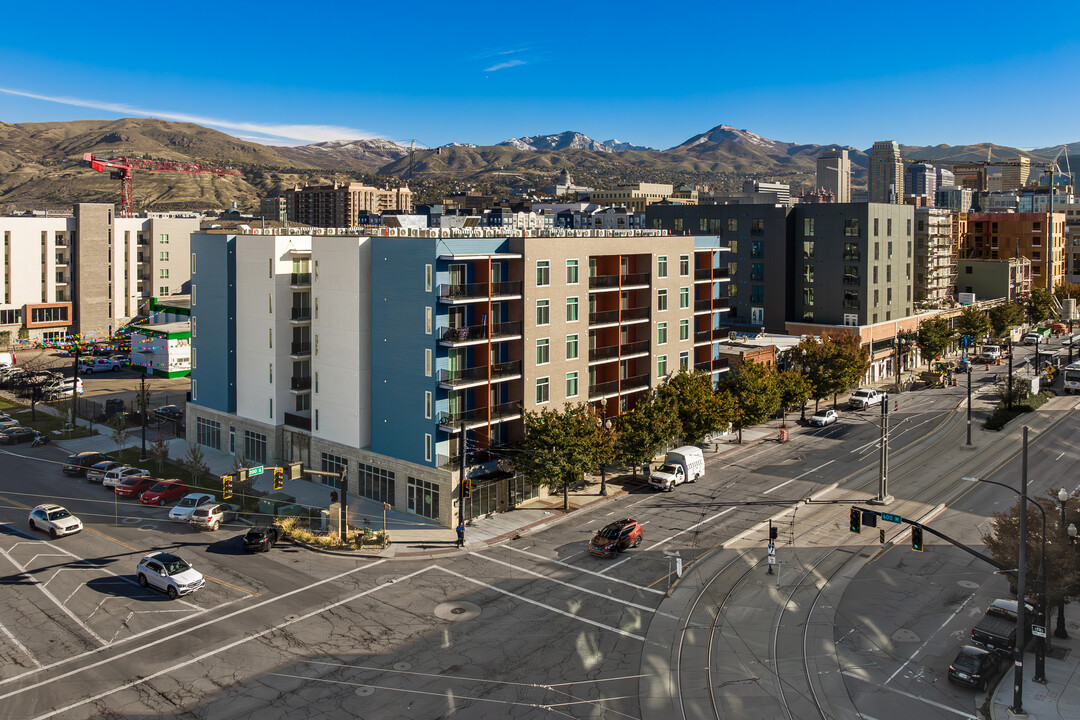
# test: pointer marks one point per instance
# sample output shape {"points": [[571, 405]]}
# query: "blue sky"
{"points": [[483, 72]]}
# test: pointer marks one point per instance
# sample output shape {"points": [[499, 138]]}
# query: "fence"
{"points": [[104, 409]]}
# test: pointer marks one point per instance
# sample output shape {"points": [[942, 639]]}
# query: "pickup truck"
{"points": [[90, 366], [997, 629], [864, 398], [212, 515]]}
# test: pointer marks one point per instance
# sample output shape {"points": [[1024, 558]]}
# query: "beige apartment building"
{"points": [[995, 236], [936, 248], [641, 195], [340, 205]]}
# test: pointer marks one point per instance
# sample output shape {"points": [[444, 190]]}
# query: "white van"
{"points": [[683, 464]]}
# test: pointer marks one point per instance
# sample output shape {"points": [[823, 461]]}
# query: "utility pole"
{"points": [[1021, 589], [142, 414], [1009, 395], [970, 369], [343, 480], [75, 386]]}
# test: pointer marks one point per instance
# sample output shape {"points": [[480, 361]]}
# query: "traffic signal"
{"points": [[226, 487], [279, 478], [466, 488], [869, 518], [856, 520], [916, 539], [774, 532]]}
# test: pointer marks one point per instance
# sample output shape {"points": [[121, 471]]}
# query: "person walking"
{"points": [[461, 535]]}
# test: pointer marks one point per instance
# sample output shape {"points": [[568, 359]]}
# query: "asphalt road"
{"points": [[536, 627]]}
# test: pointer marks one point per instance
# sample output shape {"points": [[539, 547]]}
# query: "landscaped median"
{"points": [[356, 540], [1001, 415]]}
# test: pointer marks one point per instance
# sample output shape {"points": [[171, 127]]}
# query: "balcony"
{"points": [[714, 365], [479, 375], [301, 383], [298, 421], [852, 280], [710, 305], [614, 317], [474, 292], [617, 282], [300, 348], [470, 334], [301, 314], [616, 387], [300, 279], [476, 417], [711, 274], [704, 337], [612, 352]]}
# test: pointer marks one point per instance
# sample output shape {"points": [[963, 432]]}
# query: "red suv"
{"points": [[164, 492], [616, 537]]}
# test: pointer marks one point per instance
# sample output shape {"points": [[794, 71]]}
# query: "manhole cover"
{"points": [[365, 691], [402, 666], [457, 611], [967, 584], [291, 618]]}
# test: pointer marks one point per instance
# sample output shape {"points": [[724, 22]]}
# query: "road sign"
{"points": [[257, 470], [772, 549], [772, 559], [891, 518], [1038, 631]]}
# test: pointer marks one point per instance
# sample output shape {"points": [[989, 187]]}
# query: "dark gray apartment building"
{"points": [[831, 263]]}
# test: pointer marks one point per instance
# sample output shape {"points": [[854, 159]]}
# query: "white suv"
{"points": [[169, 573], [117, 475], [183, 509], [54, 520]]}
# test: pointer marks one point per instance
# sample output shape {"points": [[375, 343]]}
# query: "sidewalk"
{"points": [[1059, 697]]}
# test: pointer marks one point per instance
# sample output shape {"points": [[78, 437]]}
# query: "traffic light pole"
{"points": [[461, 485], [883, 497]]}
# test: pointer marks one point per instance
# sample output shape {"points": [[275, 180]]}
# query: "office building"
{"points": [[886, 174], [639, 196], [834, 174], [339, 205], [999, 236], [971, 175], [945, 178], [956, 199], [921, 181], [1015, 172], [274, 208], [388, 355], [936, 251]]}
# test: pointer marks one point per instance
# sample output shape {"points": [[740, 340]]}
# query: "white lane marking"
{"points": [[211, 653], [565, 584], [921, 647], [615, 565], [913, 696], [56, 600], [15, 641], [797, 477], [568, 558], [1060, 456], [580, 569], [693, 527], [539, 604], [157, 631]]}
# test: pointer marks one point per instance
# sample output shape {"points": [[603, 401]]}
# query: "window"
{"points": [[851, 274], [851, 299], [571, 384], [757, 271], [427, 404], [909, 230], [757, 248], [888, 273], [684, 265], [427, 362], [733, 224], [427, 320], [571, 272], [543, 273], [684, 297], [661, 299], [429, 278], [851, 227], [888, 247], [208, 433], [851, 251], [192, 263], [254, 447], [877, 251], [423, 498], [48, 314], [877, 297], [163, 273], [876, 227], [851, 320], [808, 273], [808, 249], [808, 296], [684, 329], [10, 317], [757, 293], [427, 447], [661, 333], [571, 309], [543, 351], [542, 390], [684, 361], [543, 312], [375, 483], [888, 296], [163, 255], [808, 227], [271, 373], [909, 246], [163, 239], [875, 274], [661, 365], [888, 226], [571, 347], [757, 226], [661, 266]]}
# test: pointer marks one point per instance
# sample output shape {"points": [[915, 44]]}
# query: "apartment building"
{"points": [[834, 174], [90, 272], [387, 355], [1008, 278], [993, 236], [274, 208], [885, 178], [936, 252], [641, 195], [339, 204]]}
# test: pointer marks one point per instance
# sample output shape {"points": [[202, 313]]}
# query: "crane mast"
{"points": [[122, 169]]}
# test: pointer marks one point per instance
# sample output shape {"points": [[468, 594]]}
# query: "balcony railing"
{"points": [[477, 291], [480, 374], [614, 351], [598, 282], [710, 304], [298, 421], [301, 383], [714, 365], [715, 273], [301, 348], [300, 279], [613, 316], [498, 413], [301, 313], [708, 335], [614, 386], [480, 332]]}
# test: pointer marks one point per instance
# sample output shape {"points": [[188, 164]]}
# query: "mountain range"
{"points": [[41, 164]]}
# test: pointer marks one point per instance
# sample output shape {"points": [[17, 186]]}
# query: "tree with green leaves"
{"points": [[755, 391], [972, 323], [560, 447], [1005, 317], [851, 359], [698, 409], [813, 357], [1065, 290], [933, 338], [1040, 305], [652, 424], [795, 389]]}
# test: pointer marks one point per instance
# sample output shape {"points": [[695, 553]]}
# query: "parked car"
{"points": [[261, 538], [78, 463], [974, 667], [96, 472], [15, 435], [683, 464], [169, 412], [164, 492], [616, 537], [183, 509], [112, 478], [212, 515], [90, 366], [169, 573], [6, 421], [824, 417], [54, 520], [135, 485], [864, 398]]}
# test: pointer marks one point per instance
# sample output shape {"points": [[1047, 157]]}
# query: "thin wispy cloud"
{"points": [[282, 133], [505, 65]]}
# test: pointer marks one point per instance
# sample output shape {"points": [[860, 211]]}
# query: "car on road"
{"points": [[169, 573], [78, 463], [54, 520], [96, 472], [975, 667], [616, 537], [17, 434], [97, 365], [164, 492], [261, 538], [824, 417], [6, 421], [212, 515], [169, 412], [112, 478], [864, 398], [183, 509], [134, 486]]}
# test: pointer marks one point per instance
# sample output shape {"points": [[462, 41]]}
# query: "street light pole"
{"points": [[1009, 395], [969, 369], [142, 415], [1021, 590], [604, 427], [1060, 631], [883, 497]]}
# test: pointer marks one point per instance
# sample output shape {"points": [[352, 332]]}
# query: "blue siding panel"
{"points": [[213, 315]]}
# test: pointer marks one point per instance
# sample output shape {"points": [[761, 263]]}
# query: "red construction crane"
{"points": [[122, 169]]}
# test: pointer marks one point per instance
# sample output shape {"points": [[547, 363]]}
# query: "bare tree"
{"points": [[159, 450], [119, 430], [195, 463]]}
